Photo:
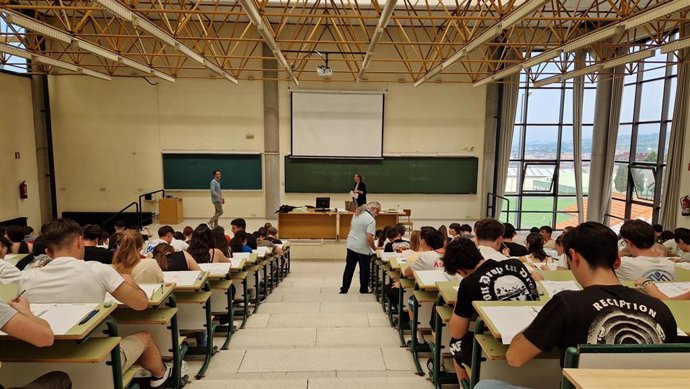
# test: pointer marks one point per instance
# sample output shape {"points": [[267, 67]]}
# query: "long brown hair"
{"points": [[414, 240], [160, 254], [127, 255]]}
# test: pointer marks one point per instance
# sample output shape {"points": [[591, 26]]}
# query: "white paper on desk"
{"points": [[553, 287], [216, 269], [181, 278], [509, 321], [149, 289], [240, 255], [431, 277], [61, 317], [261, 251], [684, 265], [672, 289]]}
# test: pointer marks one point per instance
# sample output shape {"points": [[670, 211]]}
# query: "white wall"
{"points": [[109, 137], [17, 135]]}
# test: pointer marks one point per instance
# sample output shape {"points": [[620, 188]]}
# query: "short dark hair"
{"points": [[6, 242], [533, 230], [681, 234], [461, 254], [28, 230], [392, 234], [165, 230], [271, 231], [178, 235], [39, 246], [15, 233], [639, 233], [595, 242], [658, 227], [239, 222], [92, 232], [548, 229], [261, 231], [400, 228], [508, 231], [188, 230], [455, 227], [467, 228], [489, 229], [215, 171], [665, 235], [432, 237], [60, 232], [120, 224]]}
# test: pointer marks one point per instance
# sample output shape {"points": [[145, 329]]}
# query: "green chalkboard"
{"points": [[194, 171], [440, 175]]}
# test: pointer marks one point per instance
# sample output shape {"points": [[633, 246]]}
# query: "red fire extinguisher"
{"points": [[23, 190], [685, 205]]}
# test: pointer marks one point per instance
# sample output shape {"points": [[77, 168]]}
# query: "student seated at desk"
{"points": [[535, 252], [644, 262], [510, 248], [603, 312], [483, 280], [9, 274], [679, 246], [166, 235], [16, 235], [187, 232], [272, 235], [263, 241], [128, 260], [489, 237], [395, 242], [17, 320], [238, 225], [92, 234], [68, 279], [202, 247], [238, 243], [220, 240], [431, 244], [546, 232], [170, 260]]}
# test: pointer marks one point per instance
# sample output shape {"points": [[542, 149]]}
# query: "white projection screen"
{"points": [[337, 124]]}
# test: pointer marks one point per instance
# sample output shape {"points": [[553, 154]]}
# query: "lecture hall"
{"points": [[311, 194]]}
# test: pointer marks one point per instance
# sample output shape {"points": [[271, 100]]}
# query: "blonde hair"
{"points": [[415, 240], [127, 255]]}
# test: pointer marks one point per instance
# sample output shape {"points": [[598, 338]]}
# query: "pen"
{"points": [[14, 300], [201, 275], [88, 317]]}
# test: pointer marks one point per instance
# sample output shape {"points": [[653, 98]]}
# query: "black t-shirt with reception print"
{"points": [[601, 315], [495, 281]]}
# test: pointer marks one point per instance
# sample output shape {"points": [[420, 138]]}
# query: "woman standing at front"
{"points": [[359, 192]]}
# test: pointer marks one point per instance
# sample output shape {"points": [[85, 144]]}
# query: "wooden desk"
{"points": [[448, 291], [170, 211], [479, 306], [324, 225], [628, 378]]}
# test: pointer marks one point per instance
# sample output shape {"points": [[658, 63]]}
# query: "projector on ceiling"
{"points": [[324, 71]]}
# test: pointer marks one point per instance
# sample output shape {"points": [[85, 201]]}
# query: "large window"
{"points": [[643, 137], [541, 175], [8, 36]]}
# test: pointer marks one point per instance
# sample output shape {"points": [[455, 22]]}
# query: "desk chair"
{"points": [[626, 356]]}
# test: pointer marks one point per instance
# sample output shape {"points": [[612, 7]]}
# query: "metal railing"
{"points": [[120, 212], [491, 202], [139, 218]]}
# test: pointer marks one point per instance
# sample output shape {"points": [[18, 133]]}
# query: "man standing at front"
{"points": [[216, 198], [360, 246]]}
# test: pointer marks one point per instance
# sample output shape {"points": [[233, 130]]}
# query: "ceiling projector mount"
{"points": [[324, 69]]}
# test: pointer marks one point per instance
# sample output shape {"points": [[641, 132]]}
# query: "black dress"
{"points": [[361, 197]]}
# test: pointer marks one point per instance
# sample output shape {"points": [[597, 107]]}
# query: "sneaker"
{"points": [[167, 378]]}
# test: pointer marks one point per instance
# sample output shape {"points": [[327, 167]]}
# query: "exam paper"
{"points": [[181, 278], [511, 320], [216, 269], [261, 251], [61, 317], [386, 257], [149, 289], [431, 277], [240, 255], [672, 289], [553, 287]]}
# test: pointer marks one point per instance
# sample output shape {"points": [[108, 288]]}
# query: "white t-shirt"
{"points": [[562, 261], [9, 274], [360, 228], [489, 253], [70, 280], [650, 268], [676, 252], [427, 260]]}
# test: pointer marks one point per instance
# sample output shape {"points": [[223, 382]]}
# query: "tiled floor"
{"points": [[307, 335]]}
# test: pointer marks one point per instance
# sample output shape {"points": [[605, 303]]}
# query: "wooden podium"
{"points": [[170, 211]]}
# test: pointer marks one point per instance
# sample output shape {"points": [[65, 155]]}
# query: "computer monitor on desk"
{"points": [[323, 203]]}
